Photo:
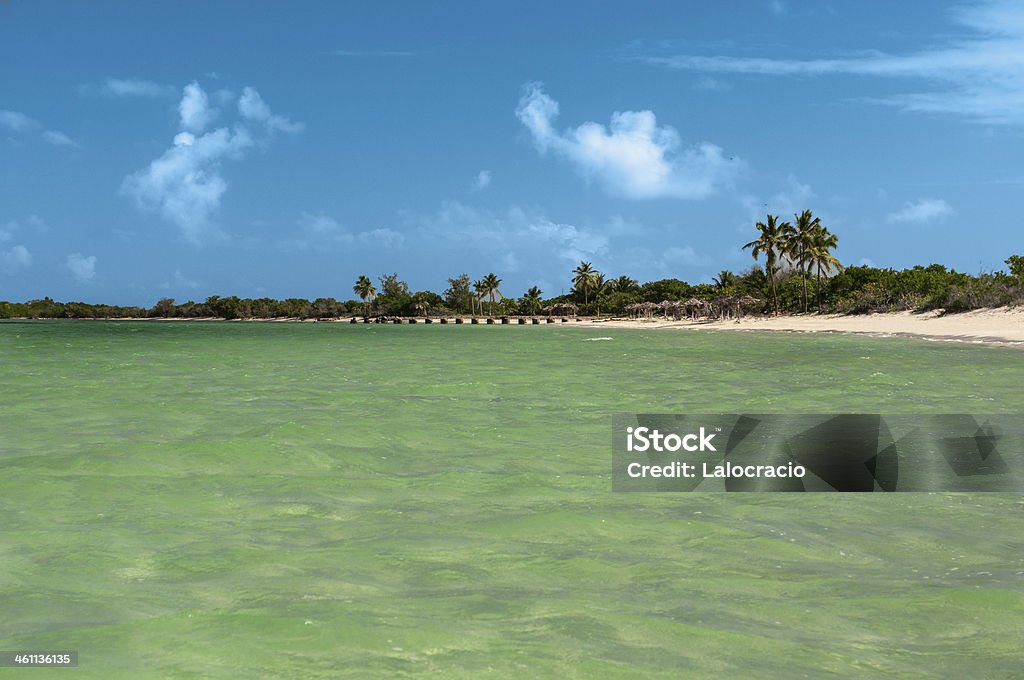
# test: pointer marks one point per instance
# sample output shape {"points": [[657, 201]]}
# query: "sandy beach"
{"points": [[1003, 326], [997, 326]]}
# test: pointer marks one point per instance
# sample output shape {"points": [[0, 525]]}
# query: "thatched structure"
{"points": [[746, 303], [695, 307], [732, 307]]}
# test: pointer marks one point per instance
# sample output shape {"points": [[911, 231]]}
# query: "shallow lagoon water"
{"points": [[325, 500]]}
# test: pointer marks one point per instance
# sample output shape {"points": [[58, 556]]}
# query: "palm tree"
{"points": [[365, 290], [491, 283], [532, 299], [798, 245], [584, 280], [771, 241], [822, 243], [601, 287], [725, 280], [624, 284], [480, 290]]}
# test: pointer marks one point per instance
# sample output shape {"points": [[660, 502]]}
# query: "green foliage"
{"points": [[459, 295], [1016, 265], [531, 301], [856, 289], [394, 297], [666, 289]]}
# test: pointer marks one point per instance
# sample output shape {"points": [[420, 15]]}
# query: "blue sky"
{"points": [[281, 149]]}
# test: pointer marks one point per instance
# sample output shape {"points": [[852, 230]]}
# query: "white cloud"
{"points": [[633, 157], [921, 212], [36, 223], [84, 268], [319, 223], [185, 185], [980, 77], [527, 234], [388, 238], [483, 179], [252, 107], [17, 121], [194, 109], [14, 259], [320, 231], [709, 84], [134, 87], [57, 138]]}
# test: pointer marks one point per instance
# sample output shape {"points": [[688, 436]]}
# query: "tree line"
{"points": [[798, 264]]}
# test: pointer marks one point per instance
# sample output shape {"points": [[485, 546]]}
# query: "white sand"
{"points": [[1003, 326]]}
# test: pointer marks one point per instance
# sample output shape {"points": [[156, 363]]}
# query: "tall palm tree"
{"points": [[771, 241], [491, 283], [822, 243], [584, 280], [532, 299], [480, 290], [365, 290], [601, 287], [798, 246]]}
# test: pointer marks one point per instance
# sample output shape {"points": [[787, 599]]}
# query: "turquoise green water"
{"points": [[318, 500]]}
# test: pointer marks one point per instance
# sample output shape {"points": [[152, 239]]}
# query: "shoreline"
{"points": [[998, 326]]}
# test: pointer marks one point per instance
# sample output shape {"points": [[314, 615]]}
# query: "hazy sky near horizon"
{"points": [[281, 149]]}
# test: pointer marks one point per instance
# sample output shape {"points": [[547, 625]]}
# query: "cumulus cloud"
{"points": [[15, 259], [83, 267], [194, 108], [483, 179], [980, 77], [633, 157], [185, 185], [252, 107], [921, 212]]}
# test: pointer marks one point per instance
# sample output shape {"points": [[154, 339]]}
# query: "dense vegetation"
{"points": [[799, 268]]}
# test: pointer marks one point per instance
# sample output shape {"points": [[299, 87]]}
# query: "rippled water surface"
{"points": [[323, 500]]}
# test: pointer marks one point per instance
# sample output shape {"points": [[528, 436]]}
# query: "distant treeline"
{"points": [[799, 268], [854, 289]]}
